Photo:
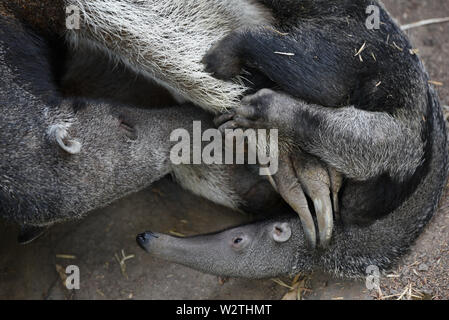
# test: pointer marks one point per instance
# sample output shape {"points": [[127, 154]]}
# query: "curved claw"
{"points": [[315, 181], [336, 180], [290, 189], [325, 218]]}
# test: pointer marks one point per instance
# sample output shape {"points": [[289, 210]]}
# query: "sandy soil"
{"points": [[426, 268]]}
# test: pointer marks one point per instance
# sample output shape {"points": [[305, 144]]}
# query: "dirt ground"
{"points": [[425, 271], [97, 243]]}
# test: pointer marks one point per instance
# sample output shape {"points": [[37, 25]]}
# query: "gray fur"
{"points": [[358, 143], [353, 249], [156, 37], [358, 102], [64, 157], [42, 184], [381, 130], [389, 139]]}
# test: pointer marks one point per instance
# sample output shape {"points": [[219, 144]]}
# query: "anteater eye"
{"points": [[240, 242]]}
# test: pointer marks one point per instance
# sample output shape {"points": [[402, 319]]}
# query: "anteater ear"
{"points": [[59, 133], [281, 232]]}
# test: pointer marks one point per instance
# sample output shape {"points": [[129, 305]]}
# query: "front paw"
{"points": [[257, 111], [223, 60]]}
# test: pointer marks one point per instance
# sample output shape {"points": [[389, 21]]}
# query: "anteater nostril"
{"points": [[143, 239]]}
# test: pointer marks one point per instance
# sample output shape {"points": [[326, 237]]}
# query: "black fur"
{"points": [[321, 39]]}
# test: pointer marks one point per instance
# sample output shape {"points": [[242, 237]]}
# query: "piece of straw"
{"points": [[424, 23]]}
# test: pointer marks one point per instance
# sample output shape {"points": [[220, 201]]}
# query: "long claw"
{"points": [[336, 180], [325, 218], [290, 189], [315, 181]]}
